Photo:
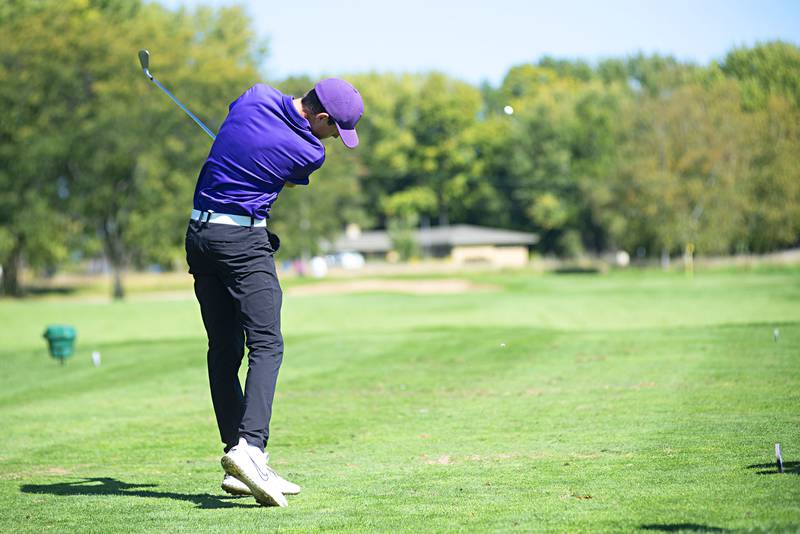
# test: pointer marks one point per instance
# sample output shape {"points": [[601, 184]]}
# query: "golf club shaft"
{"points": [[144, 60], [184, 108]]}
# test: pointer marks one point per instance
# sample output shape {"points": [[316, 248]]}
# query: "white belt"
{"points": [[224, 218]]}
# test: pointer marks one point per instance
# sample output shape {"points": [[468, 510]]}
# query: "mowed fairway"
{"points": [[581, 403]]}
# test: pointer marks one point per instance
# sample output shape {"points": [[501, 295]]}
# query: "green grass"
{"points": [[621, 402]]}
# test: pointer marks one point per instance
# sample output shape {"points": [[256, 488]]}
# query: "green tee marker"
{"points": [[60, 341]]}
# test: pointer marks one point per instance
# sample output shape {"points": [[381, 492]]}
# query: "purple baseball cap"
{"points": [[343, 103]]}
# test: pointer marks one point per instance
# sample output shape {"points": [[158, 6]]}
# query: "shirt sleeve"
{"points": [[301, 178]]}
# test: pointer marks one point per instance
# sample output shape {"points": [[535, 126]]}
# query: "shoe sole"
{"points": [[263, 498], [237, 492]]}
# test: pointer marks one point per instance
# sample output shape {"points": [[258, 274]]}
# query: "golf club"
{"points": [[144, 59]]}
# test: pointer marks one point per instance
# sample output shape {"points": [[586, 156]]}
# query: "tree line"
{"points": [[644, 153]]}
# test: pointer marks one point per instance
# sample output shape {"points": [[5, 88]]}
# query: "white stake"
{"points": [[778, 457]]}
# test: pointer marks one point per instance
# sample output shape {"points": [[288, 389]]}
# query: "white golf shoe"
{"points": [[249, 465], [287, 488], [234, 486]]}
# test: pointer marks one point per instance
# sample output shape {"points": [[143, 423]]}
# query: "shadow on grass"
{"points": [[111, 486], [685, 527], [791, 468]]}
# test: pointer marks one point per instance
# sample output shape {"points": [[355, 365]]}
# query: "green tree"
{"points": [[483, 191], [766, 69], [659, 75], [443, 156], [684, 161], [418, 132], [403, 210], [769, 75], [771, 194], [34, 140], [559, 147], [90, 143]]}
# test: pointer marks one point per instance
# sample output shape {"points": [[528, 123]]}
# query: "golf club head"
{"points": [[144, 59]]}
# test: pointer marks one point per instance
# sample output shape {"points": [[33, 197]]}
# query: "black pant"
{"points": [[240, 301]]}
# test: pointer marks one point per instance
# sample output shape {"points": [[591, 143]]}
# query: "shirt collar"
{"points": [[293, 114]]}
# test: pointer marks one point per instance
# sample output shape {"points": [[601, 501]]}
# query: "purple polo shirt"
{"points": [[263, 143]]}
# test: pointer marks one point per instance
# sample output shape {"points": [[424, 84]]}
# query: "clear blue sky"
{"points": [[479, 40]]}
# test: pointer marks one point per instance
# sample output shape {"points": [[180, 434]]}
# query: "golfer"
{"points": [[268, 140]]}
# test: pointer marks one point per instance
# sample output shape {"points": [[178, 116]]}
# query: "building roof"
{"points": [[375, 241]]}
